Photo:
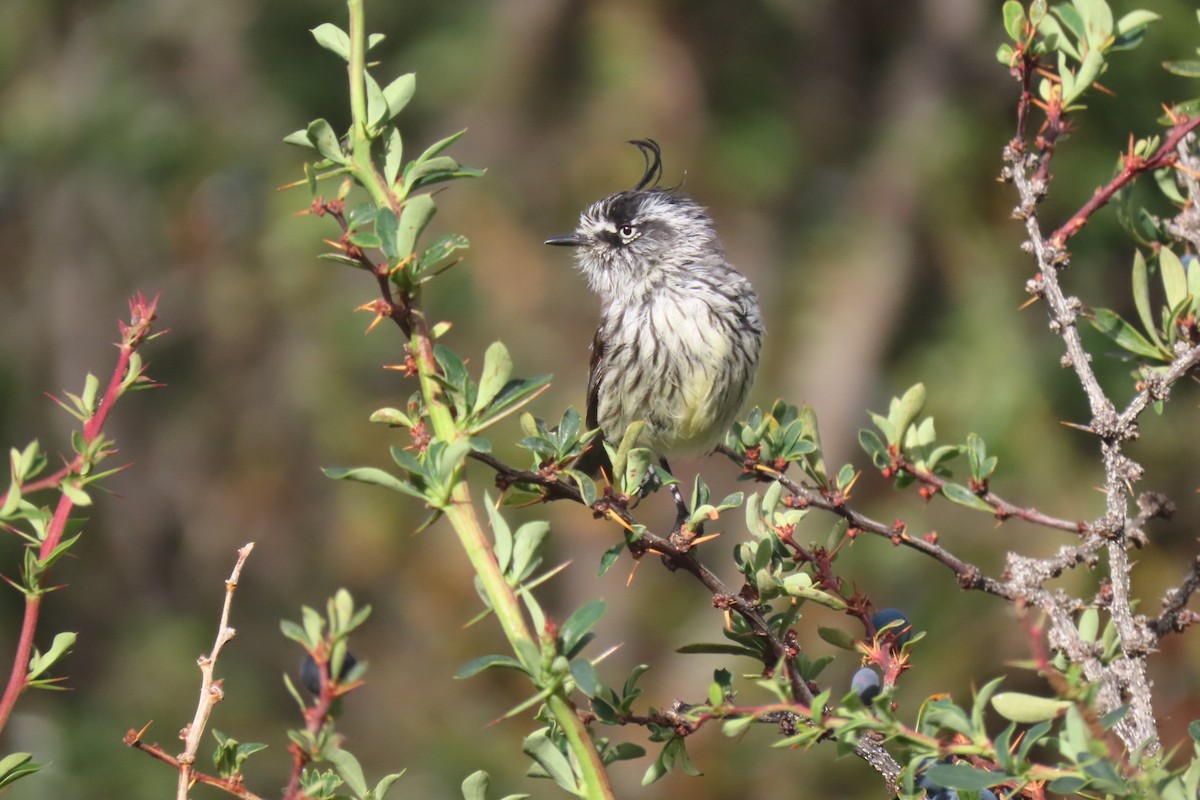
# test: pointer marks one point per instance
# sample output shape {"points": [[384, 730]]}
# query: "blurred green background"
{"points": [[848, 152]]}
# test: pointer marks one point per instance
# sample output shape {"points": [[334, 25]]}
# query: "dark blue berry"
{"points": [[310, 678], [899, 633], [866, 684]]}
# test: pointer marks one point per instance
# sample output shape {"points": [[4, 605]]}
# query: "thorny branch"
{"points": [[1124, 680], [126, 374], [681, 557]]}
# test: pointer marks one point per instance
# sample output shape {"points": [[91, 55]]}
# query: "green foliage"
{"points": [[1176, 322], [231, 754], [1078, 35]]}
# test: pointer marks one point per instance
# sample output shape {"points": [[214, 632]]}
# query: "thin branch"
{"points": [[1003, 508], [1176, 616], [1132, 166], [233, 786], [211, 691]]}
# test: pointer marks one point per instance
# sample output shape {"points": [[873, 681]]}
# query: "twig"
{"points": [[1132, 166], [1176, 616], [233, 786], [1003, 508], [211, 691]]}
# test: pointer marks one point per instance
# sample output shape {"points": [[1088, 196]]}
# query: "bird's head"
{"points": [[634, 240]]}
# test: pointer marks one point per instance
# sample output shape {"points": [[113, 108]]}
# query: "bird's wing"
{"points": [[595, 458], [595, 378]]}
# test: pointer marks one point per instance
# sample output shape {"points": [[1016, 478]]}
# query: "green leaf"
{"points": [[387, 228], [837, 637], [718, 649], [957, 493], [1066, 785], [417, 213], [1027, 708], [332, 38], [349, 769], [514, 395], [440, 145], [1174, 277], [1097, 22], [374, 476], [1014, 20], [817, 596], [74, 493], [493, 661], [385, 784], [1138, 18], [1124, 334], [539, 746], [440, 250], [1089, 69], [874, 447], [322, 137], [527, 542], [964, 777], [579, 624], [497, 369], [40, 662], [398, 93], [585, 677], [15, 766], [610, 557], [393, 155], [904, 411], [1185, 67], [475, 786], [377, 110], [1141, 296], [1089, 624]]}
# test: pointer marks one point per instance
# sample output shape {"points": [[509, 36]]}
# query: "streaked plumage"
{"points": [[680, 330]]}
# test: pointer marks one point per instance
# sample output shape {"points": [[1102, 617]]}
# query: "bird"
{"points": [[680, 328]]}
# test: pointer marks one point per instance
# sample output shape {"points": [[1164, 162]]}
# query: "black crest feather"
{"points": [[653, 155]]}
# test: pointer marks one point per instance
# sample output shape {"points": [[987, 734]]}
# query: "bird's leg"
{"points": [[682, 510]]}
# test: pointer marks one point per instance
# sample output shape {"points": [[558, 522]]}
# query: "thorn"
{"points": [[769, 470], [402, 264], [615, 517], [702, 539], [1027, 303], [849, 486], [1076, 426], [374, 323], [1185, 170], [334, 244], [637, 562], [145, 728]]}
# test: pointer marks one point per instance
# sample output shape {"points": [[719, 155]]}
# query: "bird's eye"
{"points": [[627, 231]]}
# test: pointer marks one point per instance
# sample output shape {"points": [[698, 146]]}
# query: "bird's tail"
{"points": [[594, 459]]}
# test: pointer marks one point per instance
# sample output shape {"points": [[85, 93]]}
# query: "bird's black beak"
{"points": [[569, 240]]}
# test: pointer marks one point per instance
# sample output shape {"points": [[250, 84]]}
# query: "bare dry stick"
{"points": [[211, 691]]}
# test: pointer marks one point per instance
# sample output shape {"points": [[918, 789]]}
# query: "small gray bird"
{"points": [[680, 328]]}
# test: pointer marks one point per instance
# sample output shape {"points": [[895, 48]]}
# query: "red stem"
{"points": [[1132, 167], [132, 337]]}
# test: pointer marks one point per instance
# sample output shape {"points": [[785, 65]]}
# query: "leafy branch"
{"points": [[50, 534]]}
